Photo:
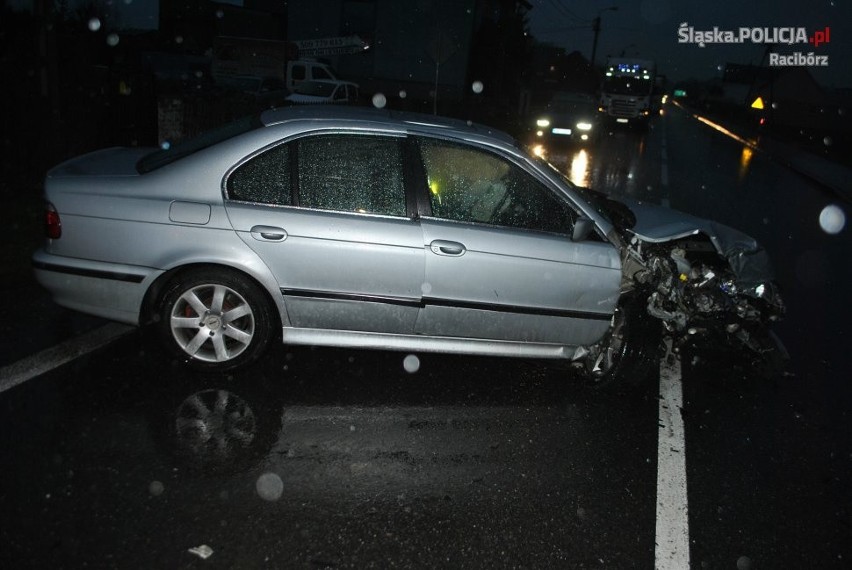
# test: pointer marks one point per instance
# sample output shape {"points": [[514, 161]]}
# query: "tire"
{"points": [[624, 357], [215, 319]]}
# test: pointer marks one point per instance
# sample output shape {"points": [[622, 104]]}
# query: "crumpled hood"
{"points": [[656, 224]]}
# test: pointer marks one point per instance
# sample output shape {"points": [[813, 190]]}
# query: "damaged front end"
{"points": [[696, 277], [699, 285]]}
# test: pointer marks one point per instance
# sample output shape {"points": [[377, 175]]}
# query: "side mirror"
{"points": [[582, 228]]}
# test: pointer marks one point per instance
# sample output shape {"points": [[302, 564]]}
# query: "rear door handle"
{"points": [[268, 233], [449, 248]]}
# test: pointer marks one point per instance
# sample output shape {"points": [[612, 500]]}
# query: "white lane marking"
{"points": [[55, 356], [671, 550], [664, 168]]}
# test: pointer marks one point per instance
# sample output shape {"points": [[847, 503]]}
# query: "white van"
{"points": [[308, 70]]}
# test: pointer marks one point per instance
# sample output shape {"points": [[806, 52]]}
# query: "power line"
{"points": [[565, 12]]}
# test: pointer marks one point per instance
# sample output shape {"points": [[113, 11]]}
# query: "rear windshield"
{"points": [[164, 156]]}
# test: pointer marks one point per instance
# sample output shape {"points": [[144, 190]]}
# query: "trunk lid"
{"points": [[115, 161]]}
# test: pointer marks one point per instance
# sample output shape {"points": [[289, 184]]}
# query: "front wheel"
{"points": [[215, 319], [624, 357]]}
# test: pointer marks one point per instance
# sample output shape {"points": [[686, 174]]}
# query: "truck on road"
{"points": [[627, 90]]}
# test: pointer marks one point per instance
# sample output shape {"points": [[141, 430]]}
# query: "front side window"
{"points": [[467, 184], [352, 173], [264, 179]]}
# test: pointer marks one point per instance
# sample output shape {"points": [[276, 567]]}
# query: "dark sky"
{"points": [[649, 29]]}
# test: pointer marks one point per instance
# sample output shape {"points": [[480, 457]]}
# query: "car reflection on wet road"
{"points": [[323, 457]]}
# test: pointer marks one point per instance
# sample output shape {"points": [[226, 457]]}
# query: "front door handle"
{"points": [[450, 248], [268, 233]]}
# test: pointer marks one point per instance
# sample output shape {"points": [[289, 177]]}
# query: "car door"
{"points": [[328, 214], [500, 262]]}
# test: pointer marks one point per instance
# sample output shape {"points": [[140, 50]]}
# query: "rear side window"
{"points": [[352, 173], [264, 179], [468, 184]]}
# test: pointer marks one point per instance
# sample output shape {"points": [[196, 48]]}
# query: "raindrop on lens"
{"points": [[269, 487], [832, 219], [379, 100], [411, 364], [156, 488], [94, 25], [477, 87]]}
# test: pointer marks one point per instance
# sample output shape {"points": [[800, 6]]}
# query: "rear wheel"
{"points": [[215, 319]]}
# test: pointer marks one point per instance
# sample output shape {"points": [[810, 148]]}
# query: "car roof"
{"points": [[387, 119]]}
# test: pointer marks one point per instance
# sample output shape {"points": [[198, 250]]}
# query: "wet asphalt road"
{"points": [[345, 459]]}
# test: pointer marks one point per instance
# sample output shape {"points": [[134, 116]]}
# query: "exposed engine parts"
{"points": [[693, 289]]}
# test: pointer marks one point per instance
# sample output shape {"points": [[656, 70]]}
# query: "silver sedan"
{"points": [[363, 228]]}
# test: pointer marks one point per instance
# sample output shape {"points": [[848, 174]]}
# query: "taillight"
{"points": [[52, 223]]}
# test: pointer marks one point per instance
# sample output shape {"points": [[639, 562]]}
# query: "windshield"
{"points": [[626, 86]]}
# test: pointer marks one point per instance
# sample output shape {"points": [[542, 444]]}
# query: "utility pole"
{"points": [[596, 27]]}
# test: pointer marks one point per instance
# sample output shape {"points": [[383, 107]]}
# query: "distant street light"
{"points": [[596, 26]]}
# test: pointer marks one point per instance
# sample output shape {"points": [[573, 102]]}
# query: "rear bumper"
{"points": [[109, 290]]}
